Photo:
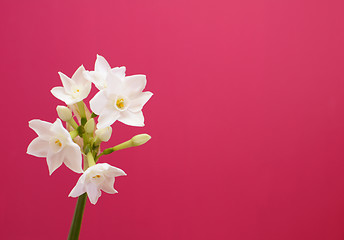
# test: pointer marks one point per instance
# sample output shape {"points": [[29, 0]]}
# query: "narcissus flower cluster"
{"points": [[120, 98]]}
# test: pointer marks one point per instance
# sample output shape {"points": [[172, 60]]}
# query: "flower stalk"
{"points": [[77, 218], [90, 159], [74, 134], [120, 98], [82, 112]]}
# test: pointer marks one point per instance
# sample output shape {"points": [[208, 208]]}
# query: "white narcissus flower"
{"points": [[74, 89], [122, 100], [98, 177], [55, 143], [101, 70]]}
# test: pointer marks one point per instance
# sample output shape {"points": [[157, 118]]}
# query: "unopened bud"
{"points": [[104, 134], [89, 126], [134, 142], [140, 139], [64, 113]]}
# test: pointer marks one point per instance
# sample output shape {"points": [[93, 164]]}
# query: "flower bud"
{"points": [[104, 134], [140, 139], [64, 113], [134, 142], [89, 126]]}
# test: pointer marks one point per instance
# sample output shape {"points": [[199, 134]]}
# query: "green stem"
{"points": [[97, 157], [90, 159], [74, 134], [77, 219], [82, 112], [73, 123]]}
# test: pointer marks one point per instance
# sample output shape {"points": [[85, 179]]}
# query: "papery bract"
{"points": [[55, 143], [101, 70], [122, 100], [74, 89], [97, 177]]}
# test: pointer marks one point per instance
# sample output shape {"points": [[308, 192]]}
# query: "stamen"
{"points": [[57, 142], [120, 103], [76, 93], [96, 176]]}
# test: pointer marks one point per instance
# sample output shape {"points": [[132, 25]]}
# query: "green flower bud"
{"points": [[134, 142], [140, 139], [64, 113], [89, 126]]}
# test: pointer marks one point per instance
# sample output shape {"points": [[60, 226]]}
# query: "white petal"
{"points": [[119, 71], [107, 185], [132, 118], [42, 128], [113, 171], [133, 85], [79, 188], [137, 103], [58, 129], [85, 90], [98, 102], [38, 147], [78, 76], [114, 83], [98, 79], [93, 192], [66, 82], [60, 93], [107, 118], [101, 64], [88, 75], [54, 161], [73, 158]]}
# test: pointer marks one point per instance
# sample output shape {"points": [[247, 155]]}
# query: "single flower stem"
{"points": [[73, 123], [90, 159], [81, 107], [74, 134], [85, 163], [85, 137], [97, 157], [121, 146], [77, 219]]}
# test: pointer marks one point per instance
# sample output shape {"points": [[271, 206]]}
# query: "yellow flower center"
{"points": [[58, 143], [76, 93], [120, 103], [96, 176]]}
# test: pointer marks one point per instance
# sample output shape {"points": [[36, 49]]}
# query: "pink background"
{"points": [[247, 118]]}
